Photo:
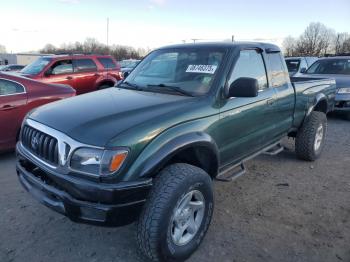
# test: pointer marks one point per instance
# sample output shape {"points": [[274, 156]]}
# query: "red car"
{"points": [[19, 95], [85, 73]]}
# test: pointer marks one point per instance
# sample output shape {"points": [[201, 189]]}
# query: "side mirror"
{"points": [[126, 74], [303, 70], [244, 87]]}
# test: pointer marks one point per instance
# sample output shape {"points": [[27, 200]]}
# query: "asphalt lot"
{"points": [[284, 209]]}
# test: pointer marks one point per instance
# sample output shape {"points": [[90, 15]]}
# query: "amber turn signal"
{"points": [[117, 161]]}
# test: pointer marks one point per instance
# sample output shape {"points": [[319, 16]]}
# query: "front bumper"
{"points": [[122, 205], [342, 102]]}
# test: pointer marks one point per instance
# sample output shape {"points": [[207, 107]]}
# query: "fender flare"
{"points": [[319, 98], [194, 139]]}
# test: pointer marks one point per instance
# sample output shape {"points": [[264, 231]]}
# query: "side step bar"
{"points": [[274, 150], [228, 177]]}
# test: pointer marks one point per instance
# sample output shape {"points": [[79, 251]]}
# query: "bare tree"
{"points": [[91, 45], [289, 45], [342, 43], [316, 40], [48, 49]]}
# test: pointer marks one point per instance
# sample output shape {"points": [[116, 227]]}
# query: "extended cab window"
{"points": [[10, 88], [278, 74], [107, 62], [250, 64], [84, 65], [61, 67]]}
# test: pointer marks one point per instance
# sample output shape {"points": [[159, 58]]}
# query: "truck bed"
{"points": [[310, 88]]}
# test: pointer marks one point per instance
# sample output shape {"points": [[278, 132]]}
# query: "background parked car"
{"points": [[128, 65], [19, 95], [339, 69], [297, 65], [85, 73], [13, 68]]}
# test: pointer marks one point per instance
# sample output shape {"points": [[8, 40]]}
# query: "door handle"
{"points": [[8, 107], [69, 78], [270, 101]]}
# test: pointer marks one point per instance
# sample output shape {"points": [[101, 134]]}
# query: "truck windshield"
{"points": [[188, 71], [330, 66], [293, 65], [36, 67]]}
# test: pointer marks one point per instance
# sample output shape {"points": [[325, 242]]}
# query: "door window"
{"points": [[250, 64], [278, 73], [10, 88], [84, 65], [62, 67]]}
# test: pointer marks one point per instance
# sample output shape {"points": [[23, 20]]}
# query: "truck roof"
{"points": [[265, 46]]}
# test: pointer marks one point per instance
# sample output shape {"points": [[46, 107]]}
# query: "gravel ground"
{"points": [[283, 209]]}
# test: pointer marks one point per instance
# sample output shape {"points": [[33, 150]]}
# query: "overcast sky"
{"points": [[30, 24]]}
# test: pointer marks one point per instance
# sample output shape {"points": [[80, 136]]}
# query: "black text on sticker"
{"points": [[207, 69]]}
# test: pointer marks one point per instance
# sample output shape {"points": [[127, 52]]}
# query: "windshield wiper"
{"points": [[129, 85], [173, 88]]}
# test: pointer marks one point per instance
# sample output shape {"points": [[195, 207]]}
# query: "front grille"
{"points": [[40, 144]]}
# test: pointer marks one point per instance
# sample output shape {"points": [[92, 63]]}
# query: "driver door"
{"points": [[244, 121], [60, 72]]}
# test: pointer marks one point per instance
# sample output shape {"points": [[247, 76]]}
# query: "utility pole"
{"points": [[107, 30], [233, 38]]}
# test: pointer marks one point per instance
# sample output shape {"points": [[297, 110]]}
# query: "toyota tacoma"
{"points": [[149, 149]]}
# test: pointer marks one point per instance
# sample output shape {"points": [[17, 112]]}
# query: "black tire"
{"points": [[155, 227], [306, 136]]}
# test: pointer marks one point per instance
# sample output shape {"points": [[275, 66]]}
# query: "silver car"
{"points": [[339, 69]]}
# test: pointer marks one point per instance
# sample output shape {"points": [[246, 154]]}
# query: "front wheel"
{"points": [[177, 214], [311, 136]]}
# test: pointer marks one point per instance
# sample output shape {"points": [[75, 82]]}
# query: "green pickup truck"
{"points": [[149, 149]]}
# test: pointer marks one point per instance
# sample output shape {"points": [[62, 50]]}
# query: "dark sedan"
{"points": [[339, 69], [19, 95]]}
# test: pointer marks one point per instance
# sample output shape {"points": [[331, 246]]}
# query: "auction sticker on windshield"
{"points": [[206, 69]]}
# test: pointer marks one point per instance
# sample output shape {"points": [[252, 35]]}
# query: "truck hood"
{"points": [[97, 117]]}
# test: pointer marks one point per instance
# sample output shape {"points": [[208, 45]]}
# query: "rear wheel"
{"points": [[310, 138], [177, 214]]}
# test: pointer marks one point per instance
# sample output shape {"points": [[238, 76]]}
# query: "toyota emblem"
{"points": [[35, 142]]}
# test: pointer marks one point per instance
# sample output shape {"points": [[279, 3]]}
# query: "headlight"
{"points": [[345, 90], [97, 162]]}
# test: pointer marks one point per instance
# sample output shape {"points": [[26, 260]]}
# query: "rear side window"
{"points": [[107, 63], [293, 65], [278, 73], [10, 88], [250, 64], [84, 65]]}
